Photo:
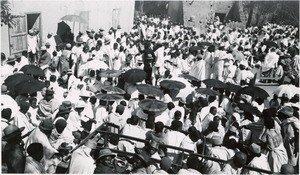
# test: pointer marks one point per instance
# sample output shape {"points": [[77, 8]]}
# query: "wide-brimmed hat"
{"points": [[11, 59], [143, 156], [119, 27], [101, 29], [46, 124], [80, 104], [85, 93], [49, 92], [67, 104], [287, 110], [63, 110], [105, 152], [11, 131]]}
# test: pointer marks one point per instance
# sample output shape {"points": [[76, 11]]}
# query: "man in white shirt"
{"points": [[32, 42]]}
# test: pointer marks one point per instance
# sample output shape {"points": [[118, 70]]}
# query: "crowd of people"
{"points": [[94, 84]]}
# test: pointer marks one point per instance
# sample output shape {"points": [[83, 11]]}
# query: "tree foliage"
{"points": [[6, 17]]}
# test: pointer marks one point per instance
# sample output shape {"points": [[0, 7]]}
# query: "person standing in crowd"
{"points": [[32, 44], [14, 155]]}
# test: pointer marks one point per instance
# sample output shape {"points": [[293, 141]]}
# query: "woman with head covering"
{"points": [[33, 160]]}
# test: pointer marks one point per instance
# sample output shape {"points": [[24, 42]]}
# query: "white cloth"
{"points": [[198, 70], [81, 162]]}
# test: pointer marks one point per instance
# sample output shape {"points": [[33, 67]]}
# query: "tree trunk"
{"points": [[248, 24]]}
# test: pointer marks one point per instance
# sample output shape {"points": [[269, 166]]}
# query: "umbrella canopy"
{"points": [[247, 107], [95, 65], [150, 90], [279, 31], [153, 105], [214, 83], [62, 27], [288, 89], [110, 73], [207, 91], [205, 43], [29, 86], [73, 18], [134, 75], [188, 77], [254, 92], [172, 84], [109, 97], [113, 89], [195, 48], [270, 44], [30, 69], [15, 79], [233, 87]]}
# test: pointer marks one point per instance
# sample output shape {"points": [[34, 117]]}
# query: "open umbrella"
{"points": [[195, 48], [14, 79], [113, 89], [134, 75], [207, 91], [270, 44], [29, 86], [95, 65], [247, 107], [110, 73], [150, 90], [188, 77], [205, 43], [172, 84], [30, 69], [214, 83], [254, 92], [279, 31], [109, 97], [288, 89], [233, 87], [73, 18], [153, 105]]}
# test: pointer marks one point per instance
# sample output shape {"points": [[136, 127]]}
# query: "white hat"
{"points": [[43, 48], [80, 104], [85, 93]]}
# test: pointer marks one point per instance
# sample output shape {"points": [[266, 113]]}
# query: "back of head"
{"points": [[159, 126], [192, 162], [6, 113], [35, 150], [240, 159], [287, 169]]}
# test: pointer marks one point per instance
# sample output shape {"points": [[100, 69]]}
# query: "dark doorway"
{"points": [[221, 16], [33, 21]]}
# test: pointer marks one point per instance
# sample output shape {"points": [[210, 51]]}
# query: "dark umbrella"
{"points": [[270, 44], [109, 97], [29, 86], [113, 89], [62, 27], [110, 73], [249, 108], [134, 75], [153, 105], [14, 79], [215, 83], [32, 70], [150, 90], [207, 91], [205, 43], [233, 87], [172, 84], [189, 77], [195, 48], [254, 92]]}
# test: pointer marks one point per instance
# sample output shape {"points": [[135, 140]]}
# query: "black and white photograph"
{"points": [[150, 87]]}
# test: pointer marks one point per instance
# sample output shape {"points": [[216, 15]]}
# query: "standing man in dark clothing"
{"points": [[148, 60], [14, 155]]}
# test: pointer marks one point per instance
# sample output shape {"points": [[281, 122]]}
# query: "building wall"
{"points": [[100, 14], [203, 11]]}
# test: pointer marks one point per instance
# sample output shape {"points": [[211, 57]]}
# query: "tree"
{"points": [[6, 17]]}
